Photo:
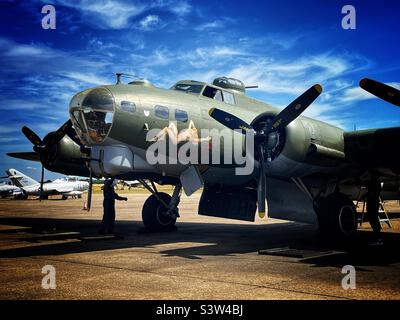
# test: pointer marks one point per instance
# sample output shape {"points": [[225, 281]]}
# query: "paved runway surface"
{"points": [[206, 258]]}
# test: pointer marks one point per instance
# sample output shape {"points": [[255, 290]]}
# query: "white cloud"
{"points": [[119, 14], [180, 8], [210, 25], [214, 24], [113, 14], [40, 58], [289, 77], [4, 129], [88, 78], [356, 94], [8, 139], [149, 22]]}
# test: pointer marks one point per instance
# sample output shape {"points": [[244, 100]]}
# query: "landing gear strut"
{"points": [[337, 216], [160, 210]]}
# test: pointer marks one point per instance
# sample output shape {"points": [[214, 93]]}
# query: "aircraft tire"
{"points": [[153, 213], [337, 217]]}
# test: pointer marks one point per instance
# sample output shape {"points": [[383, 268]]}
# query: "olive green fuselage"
{"points": [[296, 159]]}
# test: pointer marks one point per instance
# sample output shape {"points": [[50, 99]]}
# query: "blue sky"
{"points": [[282, 46]]}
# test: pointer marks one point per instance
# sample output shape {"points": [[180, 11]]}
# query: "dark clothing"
{"points": [[107, 225], [373, 203]]}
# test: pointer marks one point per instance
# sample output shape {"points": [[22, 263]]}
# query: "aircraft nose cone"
{"points": [[92, 113]]}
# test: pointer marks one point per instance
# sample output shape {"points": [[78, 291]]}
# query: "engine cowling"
{"points": [[66, 158], [304, 145]]}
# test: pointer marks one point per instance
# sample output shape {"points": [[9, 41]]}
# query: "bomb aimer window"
{"points": [[93, 117]]}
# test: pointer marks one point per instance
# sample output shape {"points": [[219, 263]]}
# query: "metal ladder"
{"points": [[383, 215]]}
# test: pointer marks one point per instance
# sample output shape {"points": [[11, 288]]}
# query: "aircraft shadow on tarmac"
{"points": [[207, 239]]}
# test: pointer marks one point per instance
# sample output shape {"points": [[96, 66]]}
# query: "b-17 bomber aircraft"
{"points": [[242, 153], [63, 187]]}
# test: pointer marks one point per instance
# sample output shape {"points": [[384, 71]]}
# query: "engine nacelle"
{"points": [[66, 158], [305, 146]]}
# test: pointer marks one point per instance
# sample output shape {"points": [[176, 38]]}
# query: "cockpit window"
{"points": [[188, 88], [213, 93], [229, 97], [219, 95]]}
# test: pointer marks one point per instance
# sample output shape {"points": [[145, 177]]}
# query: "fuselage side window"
{"points": [[229, 97], [161, 112], [128, 106], [181, 115], [218, 96]]}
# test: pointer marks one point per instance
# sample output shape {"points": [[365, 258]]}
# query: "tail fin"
{"points": [[19, 179]]}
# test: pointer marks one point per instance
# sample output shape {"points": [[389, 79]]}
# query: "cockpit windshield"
{"points": [[92, 115], [188, 88]]}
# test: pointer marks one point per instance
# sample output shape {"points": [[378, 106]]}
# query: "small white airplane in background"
{"points": [[130, 184], [66, 187], [8, 190]]}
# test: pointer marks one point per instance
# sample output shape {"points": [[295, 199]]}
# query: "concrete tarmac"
{"points": [[205, 258]]}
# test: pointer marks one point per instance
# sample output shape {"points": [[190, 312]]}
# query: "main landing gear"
{"points": [[337, 216], [160, 210]]}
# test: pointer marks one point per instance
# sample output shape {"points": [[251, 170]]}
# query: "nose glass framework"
{"points": [[92, 115]]}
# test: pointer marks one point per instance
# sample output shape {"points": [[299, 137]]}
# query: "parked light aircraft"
{"points": [[8, 190], [65, 187]]}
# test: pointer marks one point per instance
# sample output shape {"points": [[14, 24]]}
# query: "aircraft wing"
{"points": [[375, 149], [64, 189], [32, 156]]}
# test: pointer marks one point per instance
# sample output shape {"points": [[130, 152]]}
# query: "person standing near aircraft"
{"points": [[107, 224], [373, 203]]}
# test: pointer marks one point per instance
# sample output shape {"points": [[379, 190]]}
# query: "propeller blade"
{"points": [[32, 156], [89, 199], [41, 184], [381, 90], [261, 188], [60, 133], [229, 120], [294, 109], [32, 136]]}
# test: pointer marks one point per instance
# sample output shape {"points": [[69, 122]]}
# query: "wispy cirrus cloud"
{"points": [[214, 25], [279, 79], [150, 22], [121, 14], [356, 94]]}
